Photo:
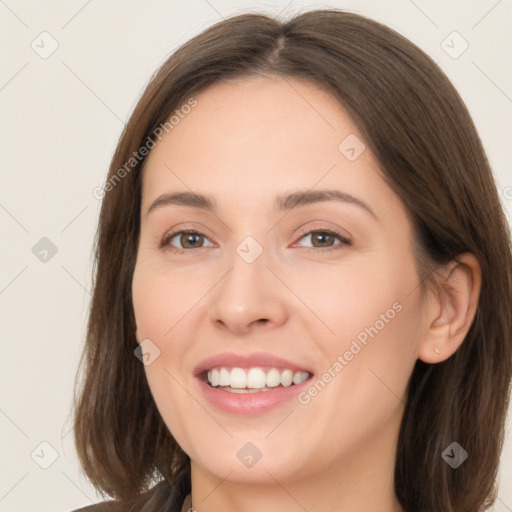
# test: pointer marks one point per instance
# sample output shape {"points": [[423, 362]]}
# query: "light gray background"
{"points": [[61, 118]]}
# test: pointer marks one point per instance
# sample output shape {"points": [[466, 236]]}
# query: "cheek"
{"points": [[352, 297], [162, 298], [373, 313], [160, 304], [166, 305], [362, 390]]}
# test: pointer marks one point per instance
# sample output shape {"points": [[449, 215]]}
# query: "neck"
{"points": [[362, 480]]}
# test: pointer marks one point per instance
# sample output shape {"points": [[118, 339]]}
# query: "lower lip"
{"points": [[250, 403]]}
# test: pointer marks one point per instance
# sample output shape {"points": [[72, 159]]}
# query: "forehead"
{"points": [[258, 137]]}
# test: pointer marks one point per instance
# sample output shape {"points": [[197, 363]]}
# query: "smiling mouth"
{"points": [[252, 380]]}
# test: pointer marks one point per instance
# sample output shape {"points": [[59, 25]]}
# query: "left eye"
{"points": [[324, 237]]}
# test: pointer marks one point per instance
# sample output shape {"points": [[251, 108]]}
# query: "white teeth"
{"points": [[238, 378], [299, 377], [273, 378], [224, 377], [254, 378], [213, 377], [287, 378]]}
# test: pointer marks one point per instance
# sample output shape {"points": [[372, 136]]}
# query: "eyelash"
{"points": [[345, 242]]}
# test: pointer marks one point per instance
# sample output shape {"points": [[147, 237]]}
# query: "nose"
{"points": [[248, 297]]}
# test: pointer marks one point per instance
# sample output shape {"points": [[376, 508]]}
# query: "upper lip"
{"points": [[231, 359]]}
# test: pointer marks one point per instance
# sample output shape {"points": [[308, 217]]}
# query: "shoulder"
{"points": [[105, 506], [152, 500]]}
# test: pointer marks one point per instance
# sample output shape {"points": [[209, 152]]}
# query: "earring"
{"points": [[437, 351]]}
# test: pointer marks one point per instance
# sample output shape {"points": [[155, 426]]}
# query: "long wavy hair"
{"points": [[423, 137]]}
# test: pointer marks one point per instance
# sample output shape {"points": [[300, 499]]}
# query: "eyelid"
{"points": [[187, 227]]}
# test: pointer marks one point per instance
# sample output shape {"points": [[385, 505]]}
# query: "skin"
{"points": [[244, 143]]}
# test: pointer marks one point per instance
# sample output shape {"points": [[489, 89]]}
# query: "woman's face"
{"points": [[302, 268]]}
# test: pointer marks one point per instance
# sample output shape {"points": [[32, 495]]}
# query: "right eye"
{"points": [[185, 238]]}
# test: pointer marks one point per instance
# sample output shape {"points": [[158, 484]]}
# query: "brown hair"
{"points": [[422, 135]]}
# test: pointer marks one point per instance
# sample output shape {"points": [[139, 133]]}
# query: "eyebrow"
{"points": [[282, 202]]}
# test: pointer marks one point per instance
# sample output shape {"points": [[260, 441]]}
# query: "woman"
{"points": [[303, 282]]}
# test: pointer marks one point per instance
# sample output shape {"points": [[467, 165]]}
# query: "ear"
{"points": [[451, 311]]}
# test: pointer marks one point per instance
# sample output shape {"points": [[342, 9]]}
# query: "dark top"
{"points": [[162, 497]]}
